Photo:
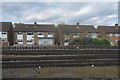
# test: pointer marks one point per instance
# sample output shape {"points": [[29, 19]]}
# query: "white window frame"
{"points": [[30, 38], [110, 34], [4, 41], [40, 35]]}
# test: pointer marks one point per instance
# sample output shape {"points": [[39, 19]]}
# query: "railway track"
{"points": [[64, 60]]}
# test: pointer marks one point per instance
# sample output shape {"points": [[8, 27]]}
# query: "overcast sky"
{"points": [[93, 13]]}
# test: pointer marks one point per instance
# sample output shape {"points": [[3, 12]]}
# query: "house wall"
{"points": [[35, 37], [4, 36], [71, 36], [113, 38]]}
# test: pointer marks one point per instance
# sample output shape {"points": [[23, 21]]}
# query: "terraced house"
{"points": [[38, 34], [48, 34], [68, 32], [6, 34], [110, 32]]}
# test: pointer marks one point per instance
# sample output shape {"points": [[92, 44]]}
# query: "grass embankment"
{"points": [[63, 72], [80, 72]]}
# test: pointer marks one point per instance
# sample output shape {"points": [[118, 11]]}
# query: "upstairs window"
{"points": [[50, 33], [29, 33], [19, 33], [66, 40], [110, 34], [40, 33], [4, 32], [75, 33], [4, 39], [67, 34], [117, 34]]}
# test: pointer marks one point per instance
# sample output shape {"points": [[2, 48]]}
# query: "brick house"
{"points": [[111, 32], [6, 35], [68, 32], [38, 34]]}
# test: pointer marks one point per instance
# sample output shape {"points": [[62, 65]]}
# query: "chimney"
{"points": [[35, 22], [77, 25], [116, 25]]}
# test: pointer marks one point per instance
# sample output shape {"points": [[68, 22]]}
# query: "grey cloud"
{"points": [[59, 12]]}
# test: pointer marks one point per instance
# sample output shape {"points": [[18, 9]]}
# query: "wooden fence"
{"points": [[33, 50], [85, 47]]}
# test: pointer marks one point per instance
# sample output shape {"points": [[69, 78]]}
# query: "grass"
{"points": [[63, 72], [80, 72]]}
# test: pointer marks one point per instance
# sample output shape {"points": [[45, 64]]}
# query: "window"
{"points": [[110, 34], [20, 40], [67, 37], [40, 33], [49, 41], [118, 34], [76, 33], [4, 39], [66, 40], [45, 41], [30, 40], [4, 32], [29, 33], [41, 41], [116, 41], [67, 34], [19, 33], [50, 33], [94, 35]]}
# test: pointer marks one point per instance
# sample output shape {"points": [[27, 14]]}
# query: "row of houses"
{"points": [[49, 34]]}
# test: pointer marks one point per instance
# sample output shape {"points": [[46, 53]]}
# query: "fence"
{"points": [[33, 50], [82, 47]]}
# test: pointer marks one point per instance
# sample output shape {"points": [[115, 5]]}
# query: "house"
{"points": [[38, 34], [110, 32], [68, 32], [6, 35]]}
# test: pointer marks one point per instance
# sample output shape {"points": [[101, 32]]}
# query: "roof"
{"points": [[34, 27], [5, 26], [78, 28], [109, 29]]}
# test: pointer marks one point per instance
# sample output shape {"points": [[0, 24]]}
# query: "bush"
{"points": [[89, 41]]}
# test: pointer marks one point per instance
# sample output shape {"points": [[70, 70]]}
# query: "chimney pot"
{"points": [[77, 23], [35, 22], [116, 24]]}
